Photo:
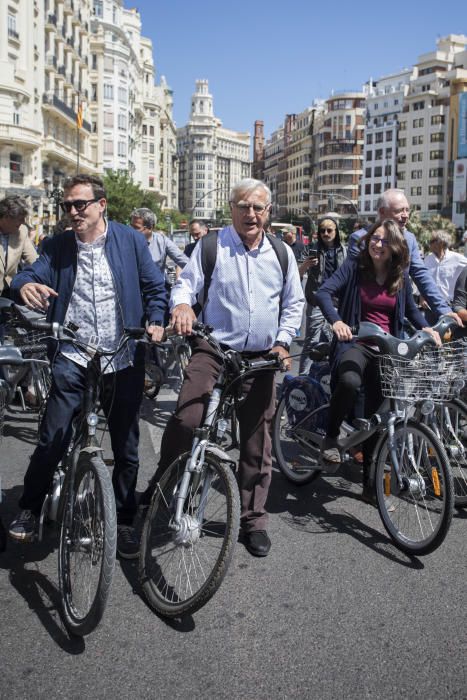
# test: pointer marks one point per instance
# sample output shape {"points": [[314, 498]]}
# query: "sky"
{"points": [[267, 59]]}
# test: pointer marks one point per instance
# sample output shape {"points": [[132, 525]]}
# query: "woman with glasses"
{"points": [[320, 264], [373, 287]]}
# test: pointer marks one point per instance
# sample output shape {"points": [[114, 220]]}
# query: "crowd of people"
{"points": [[102, 276]]}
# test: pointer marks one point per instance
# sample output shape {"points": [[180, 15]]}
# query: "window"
{"points": [[419, 105], [121, 149], [417, 157], [379, 154], [108, 91], [151, 131], [436, 155], [94, 92], [402, 143], [108, 119], [145, 130], [389, 135], [378, 171], [437, 119], [379, 137], [417, 140], [151, 148], [16, 119], [108, 147], [435, 189], [436, 172], [122, 121], [151, 182], [369, 138], [122, 95], [416, 174], [418, 123], [438, 136], [415, 191], [377, 189], [108, 63], [402, 126], [16, 168], [12, 32], [367, 189], [98, 9], [367, 172], [401, 176]]}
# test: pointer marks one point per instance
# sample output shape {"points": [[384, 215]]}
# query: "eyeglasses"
{"points": [[326, 230], [79, 204], [374, 240], [245, 208]]}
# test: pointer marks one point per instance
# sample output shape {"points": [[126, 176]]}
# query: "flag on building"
{"points": [[79, 117]]}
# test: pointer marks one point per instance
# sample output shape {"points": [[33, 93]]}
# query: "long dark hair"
{"points": [[398, 262]]}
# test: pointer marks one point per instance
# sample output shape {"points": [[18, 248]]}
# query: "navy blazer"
{"points": [[417, 270], [139, 284]]}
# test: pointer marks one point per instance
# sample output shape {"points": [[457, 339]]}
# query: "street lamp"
{"points": [[56, 195], [200, 199]]}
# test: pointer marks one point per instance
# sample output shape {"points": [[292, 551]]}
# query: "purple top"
{"points": [[377, 305]]}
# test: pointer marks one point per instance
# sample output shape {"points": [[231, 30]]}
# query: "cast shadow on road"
{"points": [[184, 623], [21, 426], [305, 508], [22, 561], [158, 411]]}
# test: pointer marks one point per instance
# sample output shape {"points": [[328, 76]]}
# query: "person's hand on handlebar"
{"points": [[156, 333], [182, 319], [36, 295], [435, 334], [284, 356], [456, 317], [342, 330]]}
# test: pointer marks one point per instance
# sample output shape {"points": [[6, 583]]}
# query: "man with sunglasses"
{"points": [[255, 308], [99, 277], [329, 255]]}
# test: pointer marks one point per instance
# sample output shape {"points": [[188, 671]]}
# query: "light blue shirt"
{"points": [[246, 292], [160, 247]]}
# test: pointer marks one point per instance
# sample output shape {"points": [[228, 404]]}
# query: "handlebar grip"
{"points": [[444, 326], [135, 331], [44, 326], [40, 349]]}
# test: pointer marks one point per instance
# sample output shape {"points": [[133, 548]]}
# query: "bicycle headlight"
{"points": [[92, 420], [427, 407]]}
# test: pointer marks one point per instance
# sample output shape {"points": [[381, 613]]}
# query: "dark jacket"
{"points": [[316, 274], [345, 285], [139, 284]]}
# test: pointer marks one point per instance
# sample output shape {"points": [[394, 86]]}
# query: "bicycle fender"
{"points": [[215, 450], [92, 448]]}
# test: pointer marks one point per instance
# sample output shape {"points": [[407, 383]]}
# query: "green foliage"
{"points": [[123, 195], [422, 228]]}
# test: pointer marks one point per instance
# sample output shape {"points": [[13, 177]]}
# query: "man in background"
{"points": [[198, 229]]}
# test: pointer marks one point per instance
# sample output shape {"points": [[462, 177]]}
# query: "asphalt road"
{"points": [[334, 611]]}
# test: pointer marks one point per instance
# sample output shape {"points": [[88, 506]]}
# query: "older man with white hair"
{"points": [[254, 303]]}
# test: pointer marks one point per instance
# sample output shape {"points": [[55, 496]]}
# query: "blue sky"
{"points": [[266, 59]]}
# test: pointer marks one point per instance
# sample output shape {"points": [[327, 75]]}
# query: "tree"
{"points": [[123, 195], [422, 229]]}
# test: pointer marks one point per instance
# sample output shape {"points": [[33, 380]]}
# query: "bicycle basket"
{"points": [[436, 374], [22, 338]]}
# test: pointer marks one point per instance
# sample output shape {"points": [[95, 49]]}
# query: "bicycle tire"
{"points": [[87, 546], [454, 439], [416, 518], [181, 571], [298, 465]]}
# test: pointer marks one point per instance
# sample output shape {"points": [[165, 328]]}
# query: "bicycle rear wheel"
{"points": [[296, 455], [418, 516], [181, 569], [452, 420], [87, 549]]}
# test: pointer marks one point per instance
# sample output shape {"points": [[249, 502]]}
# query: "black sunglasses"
{"points": [[78, 204], [326, 230]]}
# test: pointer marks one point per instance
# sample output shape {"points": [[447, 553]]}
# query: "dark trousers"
{"points": [[358, 366], [254, 417], [121, 396]]}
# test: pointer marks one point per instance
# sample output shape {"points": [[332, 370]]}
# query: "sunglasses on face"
{"points": [[326, 230], [374, 240], [78, 204]]}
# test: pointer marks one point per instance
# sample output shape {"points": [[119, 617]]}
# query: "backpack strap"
{"points": [[209, 257]]}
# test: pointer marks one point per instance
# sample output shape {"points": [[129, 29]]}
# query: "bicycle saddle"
{"points": [[319, 352]]}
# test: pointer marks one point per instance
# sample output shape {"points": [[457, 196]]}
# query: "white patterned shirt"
{"points": [[246, 292], [94, 306]]}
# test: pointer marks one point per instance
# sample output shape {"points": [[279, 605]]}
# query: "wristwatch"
{"points": [[282, 344]]}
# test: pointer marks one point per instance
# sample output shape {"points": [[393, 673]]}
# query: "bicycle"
{"points": [[409, 466], [172, 354], [81, 499], [192, 523]]}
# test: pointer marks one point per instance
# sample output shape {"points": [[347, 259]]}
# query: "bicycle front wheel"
{"points": [[182, 566], [418, 515], [88, 540], [296, 455], [452, 419]]}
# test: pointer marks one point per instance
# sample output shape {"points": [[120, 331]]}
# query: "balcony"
{"points": [[51, 61], [52, 20], [68, 6]]}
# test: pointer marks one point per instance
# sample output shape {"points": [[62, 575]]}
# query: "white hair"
{"points": [[247, 186]]}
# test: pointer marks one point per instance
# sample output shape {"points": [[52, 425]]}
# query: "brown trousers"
{"points": [[254, 417]]}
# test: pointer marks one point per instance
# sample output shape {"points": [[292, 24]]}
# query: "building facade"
{"points": [[211, 158]]}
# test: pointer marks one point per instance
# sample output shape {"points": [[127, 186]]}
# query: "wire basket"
{"points": [[436, 374], [22, 338]]}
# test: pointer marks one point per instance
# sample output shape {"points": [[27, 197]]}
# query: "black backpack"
{"points": [[209, 257]]}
